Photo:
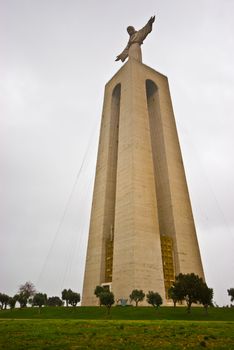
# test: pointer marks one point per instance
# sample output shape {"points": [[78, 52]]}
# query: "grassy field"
{"points": [[121, 313], [126, 328], [80, 334]]}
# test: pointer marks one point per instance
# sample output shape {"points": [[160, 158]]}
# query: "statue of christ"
{"points": [[133, 48]]}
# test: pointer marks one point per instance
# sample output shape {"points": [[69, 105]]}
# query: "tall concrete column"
{"points": [[141, 216]]}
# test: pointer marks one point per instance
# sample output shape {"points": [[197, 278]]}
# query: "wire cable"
{"points": [[61, 221]]}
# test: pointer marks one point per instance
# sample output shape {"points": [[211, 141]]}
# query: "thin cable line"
{"points": [[76, 247], [67, 204]]}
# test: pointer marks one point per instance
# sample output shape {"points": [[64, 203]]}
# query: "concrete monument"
{"points": [[142, 231]]}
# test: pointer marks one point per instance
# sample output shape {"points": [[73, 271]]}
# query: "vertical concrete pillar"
{"points": [[140, 191]]}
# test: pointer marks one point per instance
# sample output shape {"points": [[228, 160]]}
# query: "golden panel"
{"points": [[168, 262], [109, 260]]}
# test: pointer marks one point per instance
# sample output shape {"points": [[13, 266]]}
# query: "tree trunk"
{"points": [[189, 307]]}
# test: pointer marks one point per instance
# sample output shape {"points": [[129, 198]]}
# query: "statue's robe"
{"points": [[133, 48]]}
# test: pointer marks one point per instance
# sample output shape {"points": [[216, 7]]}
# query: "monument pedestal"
{"points": [[142, 231]]}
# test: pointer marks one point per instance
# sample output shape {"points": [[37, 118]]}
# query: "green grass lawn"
{"points": [[122, 313], [80, 334], [125, 328]]}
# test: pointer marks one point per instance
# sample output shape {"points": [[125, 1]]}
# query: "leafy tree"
{"points": [[154, 299], [98, 290], [137, 295], [231, 293], [74, 298], [4, 300], [206, 296], [26, 291], [30, 301], [176, 292], [188, 287], [39, 300], [70, 297], [22, 299], [65, 295], [107, 298], [172, 295], [54, 301], [12, 301]]}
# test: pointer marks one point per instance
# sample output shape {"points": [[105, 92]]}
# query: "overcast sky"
{"points": [[56, 57]]}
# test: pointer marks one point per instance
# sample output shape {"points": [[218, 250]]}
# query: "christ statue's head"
{"points": [[131, 30]]}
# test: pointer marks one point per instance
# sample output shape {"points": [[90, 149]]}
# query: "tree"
{"points": [[98, 290], [65, 295], [4, 300], [74, 298], [39, 300], [26, 291], [22, 300], [172, 295], [188, 287], [154, 299], [231, 293], [70, 297], [137, 295], [12, 301], [107, 298], [54, 301], [206, 296]]}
